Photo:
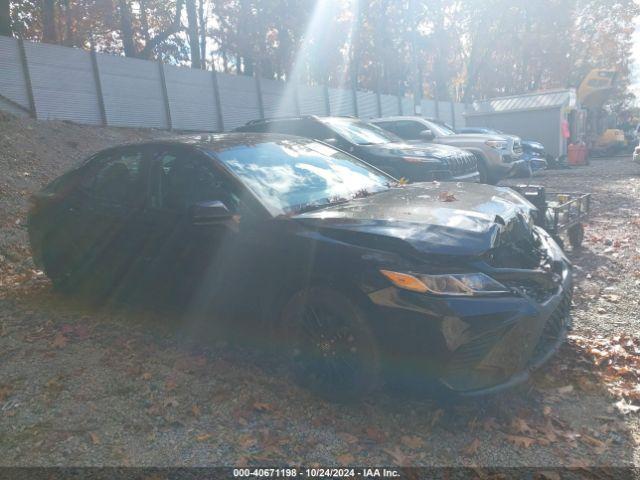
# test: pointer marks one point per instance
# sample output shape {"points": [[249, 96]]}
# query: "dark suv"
{"points": [[384, 150]]}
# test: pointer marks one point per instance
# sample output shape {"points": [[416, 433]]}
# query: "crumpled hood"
{"points": [[470, 223], [474, 137], [404, 149]]}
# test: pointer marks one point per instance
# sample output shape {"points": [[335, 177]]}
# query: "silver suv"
{"points": [[498, 156]]}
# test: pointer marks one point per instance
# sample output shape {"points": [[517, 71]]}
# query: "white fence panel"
{"points": [[428, 108], [192, 99], [238, 99], [132, 92], [459, 115], [64, 86], [312, 100], [12, 82], [367, 104], [408, 108], [444, 111], [278, 98], [341, 102], [389, 105], [63, 83]]}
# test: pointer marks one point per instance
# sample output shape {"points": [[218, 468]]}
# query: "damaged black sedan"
{"points": [[355, 277]]}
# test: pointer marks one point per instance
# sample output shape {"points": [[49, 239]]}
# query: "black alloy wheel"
{"points": [[332, 350]]}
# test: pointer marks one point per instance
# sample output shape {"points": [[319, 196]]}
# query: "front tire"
{"points": [[331, 348], [56, 267]]}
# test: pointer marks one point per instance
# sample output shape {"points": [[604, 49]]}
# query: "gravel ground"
{"points": [[82, 385]]}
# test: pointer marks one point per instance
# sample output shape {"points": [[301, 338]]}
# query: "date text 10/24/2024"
{"points": [[315, 472]]}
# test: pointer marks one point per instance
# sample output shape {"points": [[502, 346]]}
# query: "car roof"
{"points": [[397, 117], [216, 142], [294, 118]]}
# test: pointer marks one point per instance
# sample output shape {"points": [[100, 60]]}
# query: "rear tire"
{"points": [[331, 348]]}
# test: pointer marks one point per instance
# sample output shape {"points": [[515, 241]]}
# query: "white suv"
{"points": [[498, 156]]}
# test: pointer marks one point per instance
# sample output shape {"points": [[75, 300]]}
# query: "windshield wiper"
{"points": [[317, 206]]}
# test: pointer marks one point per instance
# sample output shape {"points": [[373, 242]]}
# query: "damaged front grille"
{"points": [[528, 269], [518, 247], [554, 330]]}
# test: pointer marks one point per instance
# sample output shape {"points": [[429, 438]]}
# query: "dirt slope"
{"points": [[32, 153]]}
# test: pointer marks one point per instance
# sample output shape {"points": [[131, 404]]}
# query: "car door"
{"points": [[185, 255], [114, 195]]}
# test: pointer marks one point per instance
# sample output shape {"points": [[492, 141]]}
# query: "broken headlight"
{"points": [[497, 144], [452, 284]]}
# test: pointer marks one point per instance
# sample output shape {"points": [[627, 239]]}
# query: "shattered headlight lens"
{"points": [[468, 284], [497, 144]]}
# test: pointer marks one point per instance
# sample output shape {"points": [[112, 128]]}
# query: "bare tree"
{"points": [[49, 30], [202, 20], [192, 30], [5, 18]]}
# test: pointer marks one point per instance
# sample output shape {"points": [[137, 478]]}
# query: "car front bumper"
{"points": [[473, 345], [502, 164]]}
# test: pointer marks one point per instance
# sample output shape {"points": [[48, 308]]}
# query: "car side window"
{"points": [[405, 129], [316, 131], [180, 179], [117, 177]]}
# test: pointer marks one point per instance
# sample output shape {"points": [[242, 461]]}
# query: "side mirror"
{"points": [[427, 134], [206, 213]]}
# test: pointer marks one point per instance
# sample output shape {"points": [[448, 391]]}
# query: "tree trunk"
{"points": [[5, 18], [126, 30], [144, 20], [202, 19], [49, 30], [192, 30], [69, 37]]}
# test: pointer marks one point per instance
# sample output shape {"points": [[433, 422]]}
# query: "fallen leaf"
{"points": [[375, 434], [170, 383], [471, 449], [247, 441], [521, 441], [447, 197], [598, 445], [521, 426], [170, 402], [566, 389], [490, 424], [348, 438], [95, 439], [203, 437], [196, 411], [626, 408], [5, 391], [437, 415], [396, 454], [262, 407], [146, 376], [345, 459], [59, 341], [413, 442], [549, 475]]}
